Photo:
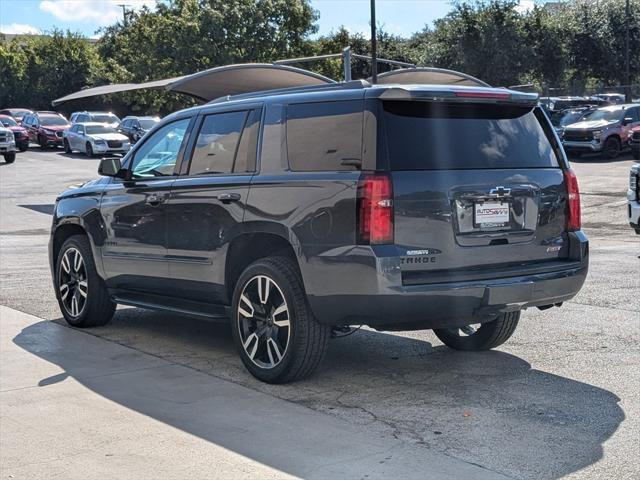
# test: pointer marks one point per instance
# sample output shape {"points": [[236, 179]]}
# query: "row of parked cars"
{"points": [[589, 128], [87, 132]]}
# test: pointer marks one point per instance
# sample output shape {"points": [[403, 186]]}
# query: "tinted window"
{"points": [[324, 136], [158, 155], [98, 129], [246, 155], [147, 124], [436, 136], [215, 148], [104, 118], [8, 122], [633, 113]]}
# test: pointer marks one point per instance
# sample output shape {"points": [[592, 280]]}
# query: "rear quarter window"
{"points": [[440, 136], [324, 136]]}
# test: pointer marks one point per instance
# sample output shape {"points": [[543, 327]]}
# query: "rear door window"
{"points": [[324, 136], [217, 144], [439, 136]]}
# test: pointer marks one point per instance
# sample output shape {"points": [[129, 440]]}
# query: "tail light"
{"points": [[573, 201], [375, 209]]}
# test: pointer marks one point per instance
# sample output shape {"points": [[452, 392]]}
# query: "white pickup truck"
{"points": [[633, 198], [7, 145]]}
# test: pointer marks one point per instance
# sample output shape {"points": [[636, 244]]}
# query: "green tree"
{"points": [[37, 69]]}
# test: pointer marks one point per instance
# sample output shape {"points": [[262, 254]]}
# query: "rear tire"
{"points": [[487, 336], [270, 308], [81, 293], [611, 148]]}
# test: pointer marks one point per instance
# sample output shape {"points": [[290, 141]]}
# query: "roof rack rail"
{"points": [[354, 84]]}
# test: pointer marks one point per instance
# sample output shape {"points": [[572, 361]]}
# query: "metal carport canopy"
{"points": [[429, 76], [216, 82], [244, 78], [114, 88]]}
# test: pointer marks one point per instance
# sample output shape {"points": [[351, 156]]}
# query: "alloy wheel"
{"points": [[263, 322], [72, 282]]}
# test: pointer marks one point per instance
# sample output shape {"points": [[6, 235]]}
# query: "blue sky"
{"points": [[401, 17]]}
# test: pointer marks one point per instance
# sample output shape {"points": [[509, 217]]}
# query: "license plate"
{"points": [[491, 214]]}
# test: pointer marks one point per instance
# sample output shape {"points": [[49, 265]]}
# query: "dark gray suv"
{"points": [[292, 213]]}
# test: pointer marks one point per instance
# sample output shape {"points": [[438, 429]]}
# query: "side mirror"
{"points": [[627, 121], [110, 167]]}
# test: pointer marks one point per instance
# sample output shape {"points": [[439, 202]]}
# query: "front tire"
{"points": [[88, 150], [278, 338], [67, 147], [611, 148], [81, 293], [10, 157], [487, 336]]}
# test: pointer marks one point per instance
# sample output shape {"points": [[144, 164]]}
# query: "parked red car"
{"points": [[45, 128], [16, 113], [19, 133]]}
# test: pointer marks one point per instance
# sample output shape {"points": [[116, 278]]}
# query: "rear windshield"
{"points": [[438, 136], [104, 118], [147, 123], [53, 120]]}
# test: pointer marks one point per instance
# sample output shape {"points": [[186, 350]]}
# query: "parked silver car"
{"points": [[94, 138], [607, 130], [98, 117]]}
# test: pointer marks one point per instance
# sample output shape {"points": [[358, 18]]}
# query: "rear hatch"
{"points": [[478, 189]]}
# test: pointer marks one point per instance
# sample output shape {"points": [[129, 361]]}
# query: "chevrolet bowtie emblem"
{"points": [[500, 192]]}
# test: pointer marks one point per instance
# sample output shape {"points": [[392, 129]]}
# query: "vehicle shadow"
{"points": [[491, 408]]}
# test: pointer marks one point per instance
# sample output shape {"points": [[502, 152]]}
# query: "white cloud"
{"points": [[19, 29], [525, 6], [103, 12]]}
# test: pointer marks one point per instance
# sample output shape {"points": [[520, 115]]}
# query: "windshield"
{"points": [[105, 118], [434, 136], [98, 129], [49, 121], [8, 122], [567, 118], [147, 123], [607, 115]]}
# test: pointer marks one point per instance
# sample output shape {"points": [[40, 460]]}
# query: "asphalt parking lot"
{"points": [[560, 399]]}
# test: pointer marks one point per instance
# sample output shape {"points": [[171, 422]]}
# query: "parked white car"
{"points": [[7, 144], [94, 138]]}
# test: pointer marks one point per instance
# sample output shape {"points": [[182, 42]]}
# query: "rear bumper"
{"points": [[394, 306]]}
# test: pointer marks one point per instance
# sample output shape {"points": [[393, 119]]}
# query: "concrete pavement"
{"points": [[78, 407]]}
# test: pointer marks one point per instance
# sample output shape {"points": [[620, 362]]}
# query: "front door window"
{"points": [[158, 155]]}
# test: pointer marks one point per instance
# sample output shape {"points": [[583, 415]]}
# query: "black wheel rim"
{"points": [[72, 282], [466, 331], [263, 322]]}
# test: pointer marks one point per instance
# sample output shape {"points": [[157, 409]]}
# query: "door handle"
{"points": [[229, 197], [154, 200]]}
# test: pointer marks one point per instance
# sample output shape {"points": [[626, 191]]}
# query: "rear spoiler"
{"points": [[473, 95]]}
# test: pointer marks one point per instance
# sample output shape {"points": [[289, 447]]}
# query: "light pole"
{"points": [[124, 12], [374, 44], [627, 71]]}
